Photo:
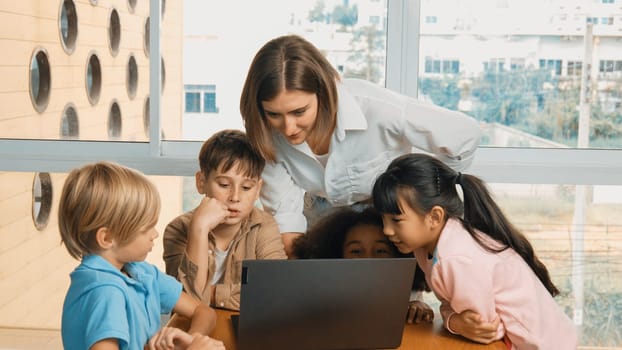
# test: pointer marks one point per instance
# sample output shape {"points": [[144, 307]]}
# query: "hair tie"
{"points": [[438, 182], [459, 189]]}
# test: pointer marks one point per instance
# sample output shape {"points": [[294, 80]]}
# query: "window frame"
{"points": [[178, 158]]}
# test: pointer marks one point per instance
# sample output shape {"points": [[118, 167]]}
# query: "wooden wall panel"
{"points": [[17, 206], [34, 266], [12, 184], [28, 25]]}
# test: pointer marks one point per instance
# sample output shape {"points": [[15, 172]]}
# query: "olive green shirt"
{"points": [[258, 238]]}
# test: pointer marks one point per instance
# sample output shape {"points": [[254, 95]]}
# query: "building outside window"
{"points": [[552, 65], [209, 102], [610, 66], [193, 102], [448, 66], [574, 68], [194, 94]]}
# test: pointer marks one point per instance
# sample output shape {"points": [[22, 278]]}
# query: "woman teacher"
{"points": [[330, 137]]}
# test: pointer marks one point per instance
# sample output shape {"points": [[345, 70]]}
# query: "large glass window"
{"points": [[537, 83], [549, 102], [539, 93], [352, 35]]}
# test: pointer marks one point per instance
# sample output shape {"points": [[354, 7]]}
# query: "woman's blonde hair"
{"points": [[109, 195], [287, 63]]}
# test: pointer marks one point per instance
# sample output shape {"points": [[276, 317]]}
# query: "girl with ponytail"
{"points": [[474, 259]]}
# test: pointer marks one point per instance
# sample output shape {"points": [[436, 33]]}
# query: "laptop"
{"points": [[313, 304]]}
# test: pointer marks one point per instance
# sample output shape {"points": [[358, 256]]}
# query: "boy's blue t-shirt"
{"points": [[102, 303]]}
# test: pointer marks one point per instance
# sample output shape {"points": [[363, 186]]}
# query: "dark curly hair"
{"points": [[325, 239]]}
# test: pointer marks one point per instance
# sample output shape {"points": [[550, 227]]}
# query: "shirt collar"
{"points": [[254, 219], [349, 114], [98, 263]]}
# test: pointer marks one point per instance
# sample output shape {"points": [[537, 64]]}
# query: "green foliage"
{"points": [[345, 15], [606, 126], [317, 13], [533, 101], [602, 308], [558, 117], [442, 91], [602, 318], [367, 54], [507, 97]]}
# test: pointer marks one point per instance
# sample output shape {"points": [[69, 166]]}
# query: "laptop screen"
{"points": [[324, 303]]}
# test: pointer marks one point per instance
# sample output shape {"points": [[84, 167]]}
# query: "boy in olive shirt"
{"points": [[204, 248]]}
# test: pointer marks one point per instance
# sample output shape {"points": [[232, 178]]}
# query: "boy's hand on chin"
{"points": [[209, 214]]}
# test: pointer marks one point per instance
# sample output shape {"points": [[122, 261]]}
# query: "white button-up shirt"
{"points": [[374, 126]]}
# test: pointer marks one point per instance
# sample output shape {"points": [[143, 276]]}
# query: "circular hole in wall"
{"points": [[93, 78], [41, 200], [68, 25], [162, 73], [131, 80], [69, 124], [114, 32], [146, 120], [114, 121], [40, 80], [146, 36]]}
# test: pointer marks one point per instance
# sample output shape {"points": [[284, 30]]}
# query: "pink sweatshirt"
{"points": [[465, 276]]}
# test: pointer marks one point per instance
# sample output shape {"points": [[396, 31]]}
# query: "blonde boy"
{"points": [[204, 248], [107, 217]]}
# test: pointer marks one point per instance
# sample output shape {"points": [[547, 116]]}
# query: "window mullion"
{"points": [[155, 81], [403, 46]]}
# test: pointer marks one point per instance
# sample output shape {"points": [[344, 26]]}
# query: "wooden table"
{"points": [[416, 336]]}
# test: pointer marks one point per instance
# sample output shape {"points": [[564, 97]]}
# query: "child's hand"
{"points": [[209, 214], [202, 342], [169, 338], [418, 311], [470, 325]]}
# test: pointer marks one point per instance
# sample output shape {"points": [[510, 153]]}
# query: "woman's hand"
{"points": [[470, 325], [418, 311]]}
